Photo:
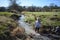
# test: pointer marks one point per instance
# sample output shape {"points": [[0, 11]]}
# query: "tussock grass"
{"points": [[45, 17]]}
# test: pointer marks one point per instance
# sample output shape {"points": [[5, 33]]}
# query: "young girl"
{"points": [[37, 24]]}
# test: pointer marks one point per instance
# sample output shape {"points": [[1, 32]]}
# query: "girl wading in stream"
{"points": [[37, 24]]}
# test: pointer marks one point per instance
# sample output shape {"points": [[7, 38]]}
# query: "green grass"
{"points": [[5, 14], [4, 22], [44, 16], [43, 13]]}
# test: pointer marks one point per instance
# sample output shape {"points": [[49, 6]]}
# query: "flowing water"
{"points": [[26, 26], [29, 29]]}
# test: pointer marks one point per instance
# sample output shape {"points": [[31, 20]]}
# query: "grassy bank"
{"points": [[5, 21], [9, 28], [47, 18]]}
